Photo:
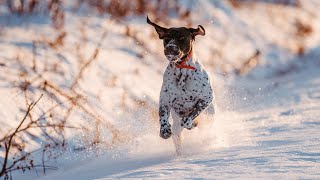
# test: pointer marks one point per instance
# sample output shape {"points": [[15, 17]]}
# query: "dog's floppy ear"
{"points": [[160, 30], [199, 31]]}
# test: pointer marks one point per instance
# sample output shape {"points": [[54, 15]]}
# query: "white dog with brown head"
{"points": [[186, 89]]}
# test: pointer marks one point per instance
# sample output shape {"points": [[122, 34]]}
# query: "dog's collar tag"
{"points": [[183, 64]]}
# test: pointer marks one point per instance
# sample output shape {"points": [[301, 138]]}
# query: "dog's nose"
{"points": [[171, 51]]}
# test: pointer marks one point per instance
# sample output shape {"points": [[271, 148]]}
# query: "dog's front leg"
{"points": [[165, 127], [188, 122], [164, 111]]}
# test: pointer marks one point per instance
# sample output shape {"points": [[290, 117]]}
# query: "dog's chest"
{"points": [[187, 87]]}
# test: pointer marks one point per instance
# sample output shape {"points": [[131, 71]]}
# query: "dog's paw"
{"points": [[165, 131], [188, 123]]}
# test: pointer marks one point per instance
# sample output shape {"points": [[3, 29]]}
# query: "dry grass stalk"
{"points": [[249, 64]]}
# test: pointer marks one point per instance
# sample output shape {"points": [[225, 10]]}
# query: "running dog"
{"points": [[186, 90]]}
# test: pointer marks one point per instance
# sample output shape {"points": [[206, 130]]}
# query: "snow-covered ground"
{"points": [[267, 123], [276, 141]]}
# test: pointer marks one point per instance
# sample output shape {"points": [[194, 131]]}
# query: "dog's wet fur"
{"points": [[185, 93]]}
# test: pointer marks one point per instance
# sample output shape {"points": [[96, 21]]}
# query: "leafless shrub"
{"points": [[31, 78], [125, 8], [249, 64], [8, 142], [89, 61], [302, 31], [239, 3], [22, 6], [58, 41], [118, 9], [53, 8], [131, 33], [235, 3], [15, 142]]}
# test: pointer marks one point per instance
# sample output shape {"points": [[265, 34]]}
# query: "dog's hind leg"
{"points": [[177, 130]]}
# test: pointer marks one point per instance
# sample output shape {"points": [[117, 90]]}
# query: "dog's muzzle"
{"points": [[172, 54]]}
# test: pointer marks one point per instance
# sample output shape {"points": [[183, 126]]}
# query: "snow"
{"points": [[276, 141], [267, 122]]}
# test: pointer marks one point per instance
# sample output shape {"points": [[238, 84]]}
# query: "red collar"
{"points": [[183, 64]]}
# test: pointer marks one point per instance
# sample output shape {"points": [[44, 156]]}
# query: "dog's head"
{"points": [[177, 42]]}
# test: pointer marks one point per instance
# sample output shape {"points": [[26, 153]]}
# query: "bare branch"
{"points": [[9, 142]]}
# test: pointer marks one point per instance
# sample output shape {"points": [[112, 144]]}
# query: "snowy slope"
{"points": [[280, 141], [267, 123]]}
